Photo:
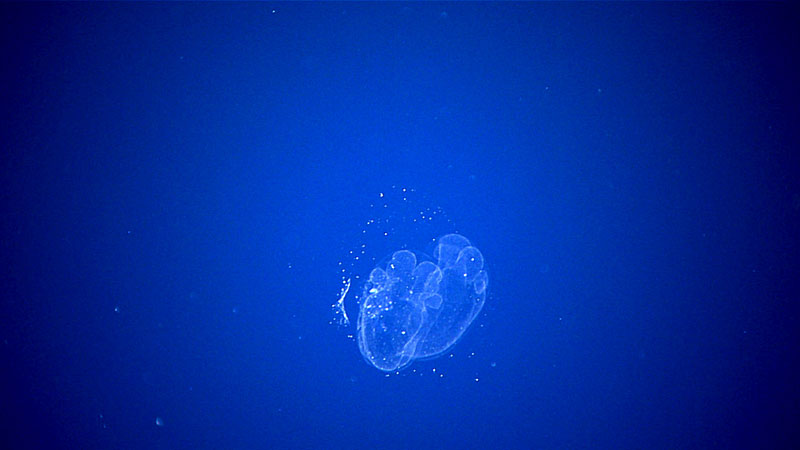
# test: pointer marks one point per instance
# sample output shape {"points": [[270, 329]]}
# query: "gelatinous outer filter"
{"points": [[415, 308]]}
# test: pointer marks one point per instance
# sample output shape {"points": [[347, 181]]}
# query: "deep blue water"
{"points": [[182, 184]]}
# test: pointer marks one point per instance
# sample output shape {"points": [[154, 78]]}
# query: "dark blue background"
{"points": [[629, 172]]}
